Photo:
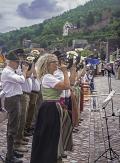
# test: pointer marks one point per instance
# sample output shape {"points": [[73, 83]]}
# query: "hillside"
{"points": [[97, 19]]}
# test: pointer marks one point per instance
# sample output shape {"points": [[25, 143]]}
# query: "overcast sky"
{"points": [[20, 13]]}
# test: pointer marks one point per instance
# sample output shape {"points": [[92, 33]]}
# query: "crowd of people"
{"points": [[43, 99]]}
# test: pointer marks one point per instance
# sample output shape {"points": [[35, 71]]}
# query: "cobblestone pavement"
{"points": [[91, 139]]}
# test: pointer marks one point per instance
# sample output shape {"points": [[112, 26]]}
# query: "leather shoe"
{"points": [[22, 142], [13, 160], [18, 155], [64, 156], [25, 139], [20, 149], [27, 134]]}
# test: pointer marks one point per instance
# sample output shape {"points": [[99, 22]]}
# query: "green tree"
{"points": [[90, 19]]}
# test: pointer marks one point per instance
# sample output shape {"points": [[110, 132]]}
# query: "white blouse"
{"points": [[49, 81]]}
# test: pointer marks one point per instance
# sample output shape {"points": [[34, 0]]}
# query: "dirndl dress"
{"points": [[47, 130]]}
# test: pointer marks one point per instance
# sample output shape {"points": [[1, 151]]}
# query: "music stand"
{"points": [[108, 98], [110, 88], [112, 154]]}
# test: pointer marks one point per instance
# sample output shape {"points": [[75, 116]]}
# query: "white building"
{"points": [[66, 28]]}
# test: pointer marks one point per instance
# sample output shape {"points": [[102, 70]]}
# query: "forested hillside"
{"points": [[97, 19]]}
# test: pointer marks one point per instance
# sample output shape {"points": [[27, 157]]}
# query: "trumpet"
{"points": [[30, 59], [34, 55]]}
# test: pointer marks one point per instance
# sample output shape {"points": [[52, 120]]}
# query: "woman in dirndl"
{"points": [[47, 129]]}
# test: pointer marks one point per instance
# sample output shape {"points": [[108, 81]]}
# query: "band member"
{"points": [[47, 130], [32, 104], [65, 142], [11, 85], [25, 99]]}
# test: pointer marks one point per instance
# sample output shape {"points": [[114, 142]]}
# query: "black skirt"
{"points": [[46, 135]]}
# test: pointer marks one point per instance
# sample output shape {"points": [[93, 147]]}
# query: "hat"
{"points": [[59, 54], [13, 55], [19, 52]]}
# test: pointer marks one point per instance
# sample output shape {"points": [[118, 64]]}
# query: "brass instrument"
{"points": [[36, 54], [31, 58]]}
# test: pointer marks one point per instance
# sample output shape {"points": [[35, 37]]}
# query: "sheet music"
{"points": [[109, 97]]}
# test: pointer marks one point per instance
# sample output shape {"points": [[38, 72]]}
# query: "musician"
{"points": [[11, 85], [33, 100], [65, 142], [25, 99], [47, 130]]}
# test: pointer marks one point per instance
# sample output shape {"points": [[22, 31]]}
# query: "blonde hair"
{"points": [[42, 64]]}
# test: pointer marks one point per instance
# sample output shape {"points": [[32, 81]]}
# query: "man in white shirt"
{"points": [[25, 99], [11, 85]]}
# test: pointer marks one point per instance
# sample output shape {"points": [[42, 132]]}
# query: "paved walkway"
{"points": [[91, 139]]}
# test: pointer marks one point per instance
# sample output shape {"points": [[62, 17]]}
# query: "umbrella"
{"points": [[93, 61]]}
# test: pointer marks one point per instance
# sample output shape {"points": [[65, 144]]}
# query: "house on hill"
{"points": [[66, 28], [26, 43]]}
